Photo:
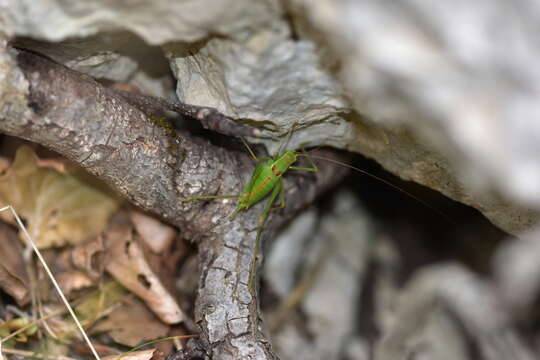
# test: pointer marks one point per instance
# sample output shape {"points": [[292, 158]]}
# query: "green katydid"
{"points": [[265, 180]]}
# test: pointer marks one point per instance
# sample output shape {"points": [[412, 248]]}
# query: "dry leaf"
{"points": [[60, 208], [164, 248], [13, 276], [78, 267], [163, 265], [81, 348], [134, 355], [4, 164], [59, 165], [88, 257], [124, 324], [157, 235], [127, 264], [73, 280]]}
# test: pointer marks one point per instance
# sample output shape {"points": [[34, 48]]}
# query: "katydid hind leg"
{"points": [[282, 200], [277, 191]]}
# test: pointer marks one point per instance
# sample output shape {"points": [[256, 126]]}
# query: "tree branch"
{"points": [[99, 129], [209, 117]]}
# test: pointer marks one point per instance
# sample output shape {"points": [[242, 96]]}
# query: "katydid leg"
{"points": [[281, 199], [277, 191]]}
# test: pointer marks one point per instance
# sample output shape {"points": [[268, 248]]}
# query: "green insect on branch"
{"points": [[265, 181], [76, 116]]}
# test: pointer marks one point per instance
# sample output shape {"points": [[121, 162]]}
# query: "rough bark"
{"points": [[99, 129]]}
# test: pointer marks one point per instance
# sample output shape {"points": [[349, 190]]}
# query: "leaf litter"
{"points": [[115, 266]]}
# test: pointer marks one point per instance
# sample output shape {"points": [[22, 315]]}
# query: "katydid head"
{"points": [[289, 157]]}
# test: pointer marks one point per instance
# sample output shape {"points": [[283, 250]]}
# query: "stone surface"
{"points": [[336, 252], [270, 79], [119, 57], [434, 69], [156, 22]]}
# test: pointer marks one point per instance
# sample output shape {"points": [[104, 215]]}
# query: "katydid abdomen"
{"points": [[265, 178]]}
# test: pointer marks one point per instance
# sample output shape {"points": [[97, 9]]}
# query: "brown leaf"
{"points": [[165, 249], [156, 234], [13, 276], [88, 257], [78, 267], [58, 164], [128, 265], [4, 164], [60, 208], [73, 280], [82, 349], [132, 324], [159, 355], [134, 355]]}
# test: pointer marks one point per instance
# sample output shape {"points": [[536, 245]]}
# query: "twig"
{"points": [[210, 118]]}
